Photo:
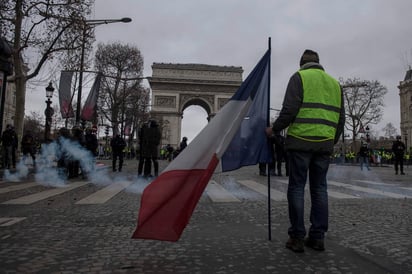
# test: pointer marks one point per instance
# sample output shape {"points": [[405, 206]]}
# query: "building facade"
{"points": [[405, 96]]}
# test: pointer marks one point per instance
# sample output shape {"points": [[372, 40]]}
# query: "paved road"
{"points": [[84, 226]]}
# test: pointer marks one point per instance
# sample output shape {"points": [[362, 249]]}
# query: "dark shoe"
{"points": [[402, 173], [262, 173], [315, 244], [296, 245], [114, 170], [396, 173]]}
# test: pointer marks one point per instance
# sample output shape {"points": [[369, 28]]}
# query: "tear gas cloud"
{"points": [[48, 173]]}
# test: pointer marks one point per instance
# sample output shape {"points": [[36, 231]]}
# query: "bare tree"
{"points": [[390, 130], [34, 122], [363, 104], [121, 92], [38, 32]]}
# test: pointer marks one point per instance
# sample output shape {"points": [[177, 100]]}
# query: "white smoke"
{"points": [[48, 173]]}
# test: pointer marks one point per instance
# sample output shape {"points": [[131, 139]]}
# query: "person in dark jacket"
{"points": [[10, 143], [183, 144], [28, 146], [77, 136], [364, 156], [150, 148], [398, 149], [117, 144], [91, 142], [280, 154], [313, 111], [142, 133], [64, 157]]}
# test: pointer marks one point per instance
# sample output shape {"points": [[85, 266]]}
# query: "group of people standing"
{"points": [[279, 156], [398, 152], [9, 141], [149, 141]]}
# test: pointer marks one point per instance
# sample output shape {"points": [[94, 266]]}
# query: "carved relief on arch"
{"points": [[165, 101]]}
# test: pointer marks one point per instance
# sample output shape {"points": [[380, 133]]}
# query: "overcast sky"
{"points": [[367, 39]]}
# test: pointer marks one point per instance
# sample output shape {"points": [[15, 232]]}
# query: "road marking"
{"points": [[331, 193], [219, 194], [370, 190], [373, 182], [17, 187], [263, 189], [406, 188], [30, 199], [104, 194], [10, 221]]}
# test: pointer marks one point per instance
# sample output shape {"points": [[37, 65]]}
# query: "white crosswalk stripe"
{"points": [[373, 182], [11, 220], [215, 191], [219, 194], [105, 194], [331, 193], [370, 190], [32, 198], [262, 189], [17, 187]]}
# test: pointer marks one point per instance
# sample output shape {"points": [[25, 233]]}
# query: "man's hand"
{"points": [[269, 131]]}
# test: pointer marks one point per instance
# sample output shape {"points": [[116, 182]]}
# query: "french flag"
{"points": [[235, 137]]}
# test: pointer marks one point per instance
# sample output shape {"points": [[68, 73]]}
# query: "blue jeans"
{"points": [[317, 165], [364, 161]]}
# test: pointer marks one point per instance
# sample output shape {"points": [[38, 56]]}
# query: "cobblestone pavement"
{"points": [[370, 228]]}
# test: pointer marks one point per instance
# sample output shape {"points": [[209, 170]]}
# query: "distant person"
{"points": [[364, 156], [28, 147], [398, 149], [117, 144], [262, 169], [169, 150], [91, 142], [101, 151], [141, 134], [313, 113], [150, 148], [183, 144], [280, 154], [64, 157], [78, 138], [9, 144]]}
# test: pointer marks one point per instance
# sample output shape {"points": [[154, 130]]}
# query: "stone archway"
{"points": [[175, 87]]}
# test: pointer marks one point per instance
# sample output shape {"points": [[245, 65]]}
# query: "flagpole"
{"points": [[269, 144]]}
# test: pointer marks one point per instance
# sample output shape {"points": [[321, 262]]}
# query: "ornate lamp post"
{"points": [[406, 140], [86, 25], [48, 112]]}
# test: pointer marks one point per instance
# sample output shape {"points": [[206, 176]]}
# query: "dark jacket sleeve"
{"points": [[341, 123], [291, 103]]}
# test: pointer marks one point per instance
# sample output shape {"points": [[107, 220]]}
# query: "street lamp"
{"points": [[48, 112], [90, 23], [406, 140], [367, 134]]}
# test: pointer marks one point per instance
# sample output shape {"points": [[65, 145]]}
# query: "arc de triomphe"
{"points": [[178, 86]]}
